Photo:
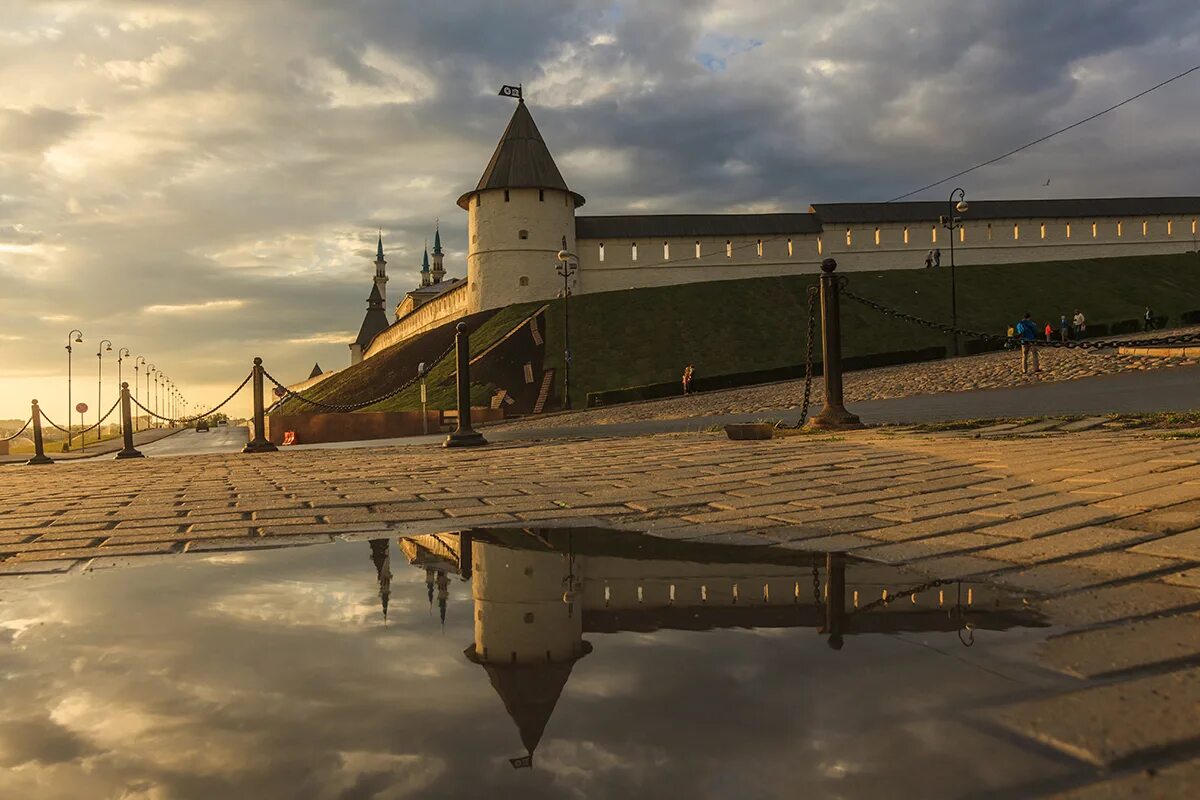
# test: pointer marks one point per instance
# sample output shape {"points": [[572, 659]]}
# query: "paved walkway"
{"points": [[1100, 530]]}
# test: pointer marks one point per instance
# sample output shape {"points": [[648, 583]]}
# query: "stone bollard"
{"points": [[464, 435], [834, 415], [128, 451], [259, 443], [39, 445]]}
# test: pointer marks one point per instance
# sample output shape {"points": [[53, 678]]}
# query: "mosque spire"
{"points": [[437, 273], [381, 270], [425, 278]]}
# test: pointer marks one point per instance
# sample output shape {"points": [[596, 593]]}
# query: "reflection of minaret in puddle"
{"points": [[526, 637], [429, 579], [443, 594], [383, 570]]}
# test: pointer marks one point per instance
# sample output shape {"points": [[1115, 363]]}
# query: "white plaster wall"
{"points": [[498, 258]]}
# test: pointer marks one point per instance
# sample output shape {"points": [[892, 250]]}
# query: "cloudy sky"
{"points": [[202, 182]]}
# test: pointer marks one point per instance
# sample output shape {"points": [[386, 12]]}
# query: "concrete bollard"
{"points": [[834, 415], [260, 443], [39, 445], [463, 435], [128, 451]]}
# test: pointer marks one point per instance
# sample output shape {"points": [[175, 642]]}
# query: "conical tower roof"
{"points": [[316, 372], [529, 692], [521, 161], [437, 240], [375, 322]]}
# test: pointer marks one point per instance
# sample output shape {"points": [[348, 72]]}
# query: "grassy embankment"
{"points": [[645, 336]]}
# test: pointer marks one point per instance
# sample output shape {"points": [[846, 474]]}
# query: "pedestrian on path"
{"points": [[1049, 332], [929, 259], [689, 374], [1149, 320], [1079, 324], [1027, 333], [1063, 327], [937, 257]]}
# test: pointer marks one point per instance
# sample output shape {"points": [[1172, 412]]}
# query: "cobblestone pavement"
{"points": [[985, 371], [1100, 530]]}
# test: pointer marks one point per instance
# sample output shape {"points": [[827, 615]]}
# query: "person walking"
{"points": [[1049, 332], [929, 259], [1149, 320], [937, 257], [689, 374], [1027, 333], [1063, 327], [1079, 324]]}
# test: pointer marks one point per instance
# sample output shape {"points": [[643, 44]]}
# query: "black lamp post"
{"points": [[154, 420], [105, 346], [136, 361], [78, 338], [951, 223], [568, 262]]}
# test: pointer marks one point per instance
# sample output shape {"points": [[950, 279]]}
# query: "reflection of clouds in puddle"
{"points": [[403, 775]]}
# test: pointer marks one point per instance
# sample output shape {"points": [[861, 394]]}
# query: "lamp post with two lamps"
{"points": [[958, 205], [105, 346], [568, 263], [78, 337]]}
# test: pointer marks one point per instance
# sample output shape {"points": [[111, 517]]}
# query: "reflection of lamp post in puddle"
{"points": [[835, 600]]}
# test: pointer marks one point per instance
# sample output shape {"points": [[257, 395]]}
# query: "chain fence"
{"points": [[18, 433], [1070, 344], [88, 429], [288, 394], [193, 417]]}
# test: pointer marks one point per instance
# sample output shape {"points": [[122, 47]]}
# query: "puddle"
{"points": [[554, 663]]}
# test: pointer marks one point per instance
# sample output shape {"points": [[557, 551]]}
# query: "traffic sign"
{"points": [[81, 408]]}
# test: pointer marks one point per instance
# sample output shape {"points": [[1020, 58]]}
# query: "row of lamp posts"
{"points": [[171, 397]]}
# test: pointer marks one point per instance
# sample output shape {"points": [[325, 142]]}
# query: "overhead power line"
{"points": [[1047, 136]]}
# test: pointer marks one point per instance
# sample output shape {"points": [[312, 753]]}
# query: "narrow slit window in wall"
{"points": [[506, 195], [1193, 227], [524, 281], [728, 249], [789, 248], [877, 237], [760, 248], [602, 251], [1145, 228], [1095, 230], [522, 234], [1120, 228], [541, 195], [820, 249], [933, 234], [697, 249], [1068, 230], [1016, 232], [633, 250], [962, 233], [906, 234], [666, 250], [848, 239], [1042, 230], [1170, 227]]}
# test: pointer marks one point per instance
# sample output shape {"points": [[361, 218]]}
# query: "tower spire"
{"points": [[381, 270], [425, 278], [437, 272]]}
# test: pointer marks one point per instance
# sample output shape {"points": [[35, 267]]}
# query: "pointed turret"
{"points": [[381, 270], [521, 161], [374, 323], [437, 272], [316, 372], [382, 560]]}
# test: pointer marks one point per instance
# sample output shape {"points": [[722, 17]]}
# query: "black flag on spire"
{"points": [[511, 91]]}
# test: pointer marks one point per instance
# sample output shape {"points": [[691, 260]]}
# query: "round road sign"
{"points": [[81, 408]]}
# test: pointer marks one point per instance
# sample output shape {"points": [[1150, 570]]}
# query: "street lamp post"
{"points": [[78, 335], [568, 262], [122, 354], [105, 346], [153, 422], [136, 361], [958, 205]]}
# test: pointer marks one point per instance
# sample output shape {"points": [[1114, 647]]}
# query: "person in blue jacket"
{"points": [[1027, 333]]}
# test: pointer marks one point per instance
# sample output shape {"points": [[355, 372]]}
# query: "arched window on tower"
{"points": [[602, 251], [541, 195], [728, 249], [789, 248], [906, 234], [666, 251], [697, 249], [633, 250], [506, 195], [760, 250]]}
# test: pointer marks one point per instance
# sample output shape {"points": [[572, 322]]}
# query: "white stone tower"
{"points": [[381, 271], [518, 217]]}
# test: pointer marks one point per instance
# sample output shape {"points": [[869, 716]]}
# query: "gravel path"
{"points": [[986, 371]]}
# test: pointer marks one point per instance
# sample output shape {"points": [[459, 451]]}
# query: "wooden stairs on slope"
{"points": [[544, 393]]}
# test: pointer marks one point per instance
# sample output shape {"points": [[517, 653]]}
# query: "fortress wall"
{"points": [[449, 306]]}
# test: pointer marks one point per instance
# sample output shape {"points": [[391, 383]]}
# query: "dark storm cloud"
{"points": [[175, 154]]}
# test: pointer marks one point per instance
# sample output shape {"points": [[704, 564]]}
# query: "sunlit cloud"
{"points": [[331, 337], [196, 308]]}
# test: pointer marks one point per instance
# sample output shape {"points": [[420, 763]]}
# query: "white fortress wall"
{"points": [[448, 307]]}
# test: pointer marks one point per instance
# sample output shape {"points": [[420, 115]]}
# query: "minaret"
{"points": [[381, 271], [425, 279], [383, 571], [438, 272]]}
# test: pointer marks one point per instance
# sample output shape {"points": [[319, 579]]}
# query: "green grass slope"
{"points": [[644, 336]]}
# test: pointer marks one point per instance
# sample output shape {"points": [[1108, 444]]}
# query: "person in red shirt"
{"points": [[1049, 332]]}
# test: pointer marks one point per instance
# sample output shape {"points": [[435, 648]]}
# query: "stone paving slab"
{"points": [[1110, 725], [1121, 648], [1174, 781]]}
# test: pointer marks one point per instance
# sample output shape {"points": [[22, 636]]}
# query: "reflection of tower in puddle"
{"points": [[383, 570], [528, 632], [439, 556]]}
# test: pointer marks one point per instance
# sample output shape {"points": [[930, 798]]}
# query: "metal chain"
{"points": [[813, 293], [1072, 344], [816, 582], [194, 417], [85, 430], [883, 601], [53, 424], [18, 433], [289, 394]]}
